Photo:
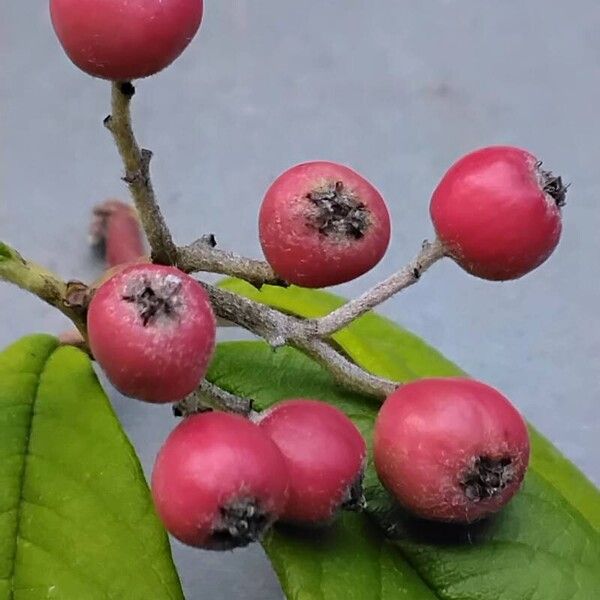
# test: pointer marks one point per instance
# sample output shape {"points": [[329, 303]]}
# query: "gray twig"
{"points": [[409, 275], [203, 256], [136, 162], [210, 396]]}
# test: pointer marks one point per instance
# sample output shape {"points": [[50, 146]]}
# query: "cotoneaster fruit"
{"points": [[322, 224], [325, 454], [450, 449], [117, 233], [498, 212], [219, 482], [152, 330], [125, 39]]}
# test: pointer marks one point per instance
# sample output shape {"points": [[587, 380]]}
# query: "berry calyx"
{"points": [[498, 212], [219, 482], [325, 454], [120, 40], [152, 330], [322, 224], [450, 449], [338, 212]]}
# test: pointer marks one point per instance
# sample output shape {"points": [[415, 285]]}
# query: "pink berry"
{"points": [[325, 454], [219, 482], [117, 232], [498, 212], [152, 329], [450, 449], [125, 39], [323, 224]]}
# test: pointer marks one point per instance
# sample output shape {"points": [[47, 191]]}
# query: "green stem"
{"points": [[29, 276]]}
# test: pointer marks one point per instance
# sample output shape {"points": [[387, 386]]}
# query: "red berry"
{"points": [[152, 329], [219, 482], [123, 40], [325, 454], [450, 449], [498, 212], [323, 224]]}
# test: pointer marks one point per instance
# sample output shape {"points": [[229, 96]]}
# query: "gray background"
{"points": [[397, 90]]}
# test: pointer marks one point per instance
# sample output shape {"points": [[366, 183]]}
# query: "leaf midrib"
{"points": [[23, 475], [413, 566]]}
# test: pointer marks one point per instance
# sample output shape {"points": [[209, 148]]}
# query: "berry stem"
{"points": [[409, 275], [203, 256], [137, 175], [345, 372], [210, 395]]}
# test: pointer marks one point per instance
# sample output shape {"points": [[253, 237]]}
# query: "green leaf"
{"points": [[76, 518], [545, 544], [349, 561]]}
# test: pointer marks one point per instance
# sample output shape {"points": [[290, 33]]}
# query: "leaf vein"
{"points": [[22, 477]]}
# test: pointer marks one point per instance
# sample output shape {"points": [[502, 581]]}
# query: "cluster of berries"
{"points": [[447, 449], [220, 480], [452, 450]]}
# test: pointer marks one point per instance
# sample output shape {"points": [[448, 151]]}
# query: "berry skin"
{"points": [[152, 330], [117, 233], [325, 454], [322, 224], [498, 212], [450, 449], [219, 482], [125, 39]]}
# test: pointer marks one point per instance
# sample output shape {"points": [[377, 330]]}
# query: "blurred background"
{"points": [[398, 90]]}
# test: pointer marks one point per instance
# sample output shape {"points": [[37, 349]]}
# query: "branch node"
{"points": [[146, 158], [77, 295], [127, 89], [131, 177], [208, 239]]}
